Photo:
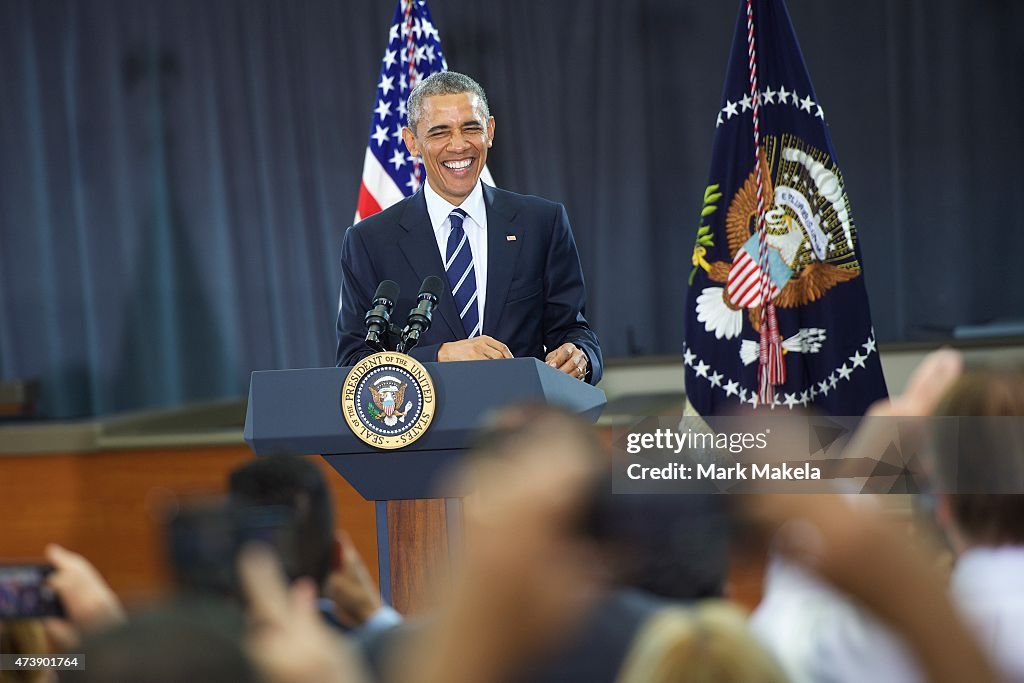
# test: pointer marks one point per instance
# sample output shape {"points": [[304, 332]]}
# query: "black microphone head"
{"points": [[433, 286], [388, 289]]}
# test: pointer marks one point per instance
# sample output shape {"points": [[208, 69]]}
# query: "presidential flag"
{"points": [[776, 311], [390, 173]]}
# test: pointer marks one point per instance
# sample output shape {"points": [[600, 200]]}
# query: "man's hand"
{"points": [[350, 587], [477, 348], [570, 359], [89, 603]]}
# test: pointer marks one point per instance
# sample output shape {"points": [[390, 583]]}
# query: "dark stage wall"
{"points": [[175, 177]]}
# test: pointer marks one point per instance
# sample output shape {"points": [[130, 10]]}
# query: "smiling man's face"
{"points": [[453, 137]]}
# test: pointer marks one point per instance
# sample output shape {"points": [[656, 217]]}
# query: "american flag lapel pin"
{"points": [[510, 238]]}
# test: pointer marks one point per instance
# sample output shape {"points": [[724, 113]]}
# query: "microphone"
{"points": [[378, 318], [420, 316]]}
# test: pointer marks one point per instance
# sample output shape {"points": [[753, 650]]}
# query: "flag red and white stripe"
{"points": [[413, 53]]}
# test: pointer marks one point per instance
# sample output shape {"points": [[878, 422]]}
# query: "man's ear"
{"points": [[410, 141], [490, 131]]}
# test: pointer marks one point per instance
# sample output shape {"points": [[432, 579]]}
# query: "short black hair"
{"points": [[297, 484]]}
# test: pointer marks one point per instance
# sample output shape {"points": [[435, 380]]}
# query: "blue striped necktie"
{"points": [[458, 263]]}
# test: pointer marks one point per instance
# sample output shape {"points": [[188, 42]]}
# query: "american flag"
{"points": [[413, 53]]}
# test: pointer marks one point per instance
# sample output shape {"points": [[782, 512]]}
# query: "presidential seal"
{"points": [[388, 400]]}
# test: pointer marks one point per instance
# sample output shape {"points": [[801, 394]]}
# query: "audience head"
{"points": [[672, 546], [510, 428], [706, 643], [298, 485], [189, 642], [988, 455]]}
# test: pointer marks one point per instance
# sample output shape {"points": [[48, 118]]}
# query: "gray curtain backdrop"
{"points": [[175, 177]]}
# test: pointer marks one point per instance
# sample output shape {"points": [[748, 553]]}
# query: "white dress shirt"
{"points": [[988, 587], [818, 635], [475, 227]]}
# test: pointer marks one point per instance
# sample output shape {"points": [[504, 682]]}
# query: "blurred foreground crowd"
{"points": [[560, 581]]}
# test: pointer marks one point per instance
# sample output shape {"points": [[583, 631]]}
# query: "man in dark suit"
{"points": [[515, 285]]}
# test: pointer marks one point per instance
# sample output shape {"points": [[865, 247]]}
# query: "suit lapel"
{"points": [[502, 254], [420, 248]]}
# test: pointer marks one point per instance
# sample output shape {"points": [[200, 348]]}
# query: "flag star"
{"points": [[730, 388], [769, 96], [402, 84], [393, 33], [791, 400], [386, 84], [730, 109], [398, 159], [833, 380], [824, 386], [402, 111], [806, 103], [701, 368], [716, 379], [688, 357], [858, 360], [821, 113], [381, 135], [805, 398], [814, 391], [869, 347], [383, 109], [844, 372], [719, 121], [417, 29], [743, 395], [421, 53], [389, 58], [430, 54], [428, 29], [413, 184], [783, 95], [397, 135], [753, 399], [745, 103]]}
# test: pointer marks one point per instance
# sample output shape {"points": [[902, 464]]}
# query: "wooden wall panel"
{"points": [[108, 505]]}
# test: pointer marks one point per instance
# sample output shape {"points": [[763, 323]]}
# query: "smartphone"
{"points": [[24, 593], [204, 540]]}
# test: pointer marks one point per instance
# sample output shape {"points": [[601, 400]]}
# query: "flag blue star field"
{"points": [[815, 275], [413, 53]]}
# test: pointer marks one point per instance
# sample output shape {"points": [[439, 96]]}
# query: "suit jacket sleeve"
{"points": [[358, 283], [565, 297]]}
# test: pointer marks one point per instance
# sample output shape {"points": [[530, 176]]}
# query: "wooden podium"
{"points": [[299, 412]]}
